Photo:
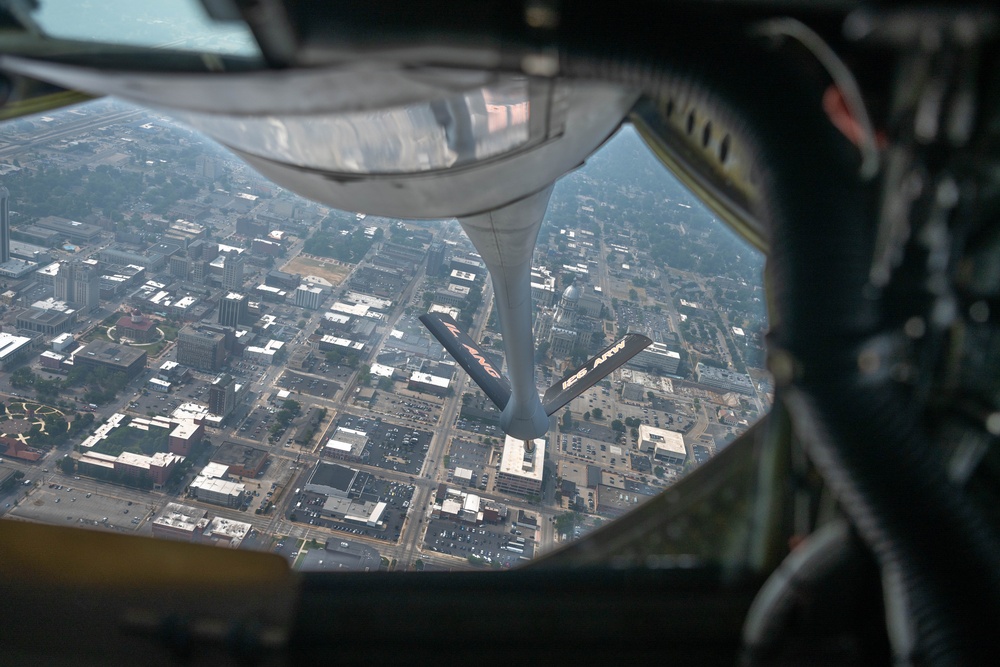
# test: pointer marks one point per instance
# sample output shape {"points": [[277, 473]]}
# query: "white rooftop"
{"points": [[215, 470], [427, 378], [662, 439], [381, 370], [517, 461]]}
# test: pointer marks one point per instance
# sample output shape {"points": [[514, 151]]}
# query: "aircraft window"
{"points": [[341, 476], [174, 24]]}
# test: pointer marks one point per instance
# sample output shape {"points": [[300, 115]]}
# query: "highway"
{"points": [[74, 128]]}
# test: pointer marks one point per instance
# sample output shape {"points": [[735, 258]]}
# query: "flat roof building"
{"points": [[463, 278], [308, 296], [520, 470], [666, 446], [224, 532], [201, 348], [331, 479], [49, 321], [13, 349], [113, 357], [218, 491], [428, 383], [233, 309], [222, 395], [724, 379], [347, 444], [180, 522], [657, 357], [242, 460], [268, 354]]}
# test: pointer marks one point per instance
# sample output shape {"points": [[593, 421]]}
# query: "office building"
{"points": [[232, 270], [180, 267], [49, 317], [112, 357], [282, 279], [468, 265], [724, 380], [63, 281], [119, 257], [435, 259], [201, 348], [78, 283], [77, 232], [218, 491], [666, 446], [233, 309], [657, 357], [308, 296], [13, 349], [520, 470], [242, 461], [222, 395], [87, 287]]}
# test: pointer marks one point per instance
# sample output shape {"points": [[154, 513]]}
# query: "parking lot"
{"points": [[495, 545], [472, 456], [407, 407], [608, 456], [701, 453], [144, 401], [308, 385], [390, 446], [395, 406], [66, 505], [307, 508], [257, 425], [479, 427]]}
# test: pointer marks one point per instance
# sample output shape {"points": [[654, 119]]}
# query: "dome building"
{"points": [[570, 329], [136, 327]]}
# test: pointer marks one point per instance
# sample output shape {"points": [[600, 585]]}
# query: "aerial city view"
{"points": [[190, 352]]}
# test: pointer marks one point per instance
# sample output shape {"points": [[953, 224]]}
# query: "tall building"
{"points": [[232, 309], [209, 251], [78, 283], [199, 269], [201, 348], [87, 287], [222, 395], [195, 249], [232, 271], [63, 281], [4, 225], [521, 470], [180, 267], [308, 296], [435, 258]]}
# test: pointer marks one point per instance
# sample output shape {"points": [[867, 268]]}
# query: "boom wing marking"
{"points": [[469, 356], [592, 372]]}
